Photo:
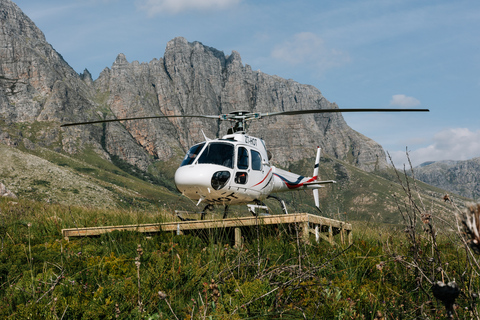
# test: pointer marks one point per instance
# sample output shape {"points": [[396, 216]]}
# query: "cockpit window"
{"points": [[218, 153], [242, 158], [256, 160], [192, 154]]}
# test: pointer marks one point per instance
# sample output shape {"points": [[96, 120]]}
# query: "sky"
{"points": [[359, 54]]}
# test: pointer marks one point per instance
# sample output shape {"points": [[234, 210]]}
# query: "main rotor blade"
{"points": [[137, 118], [250, 116], [289, 113]]}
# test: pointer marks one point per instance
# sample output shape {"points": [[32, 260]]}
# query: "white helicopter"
{"points": [[235, 169]]}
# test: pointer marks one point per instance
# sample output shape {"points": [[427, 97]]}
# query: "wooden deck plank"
{"points": [[179, 226]]}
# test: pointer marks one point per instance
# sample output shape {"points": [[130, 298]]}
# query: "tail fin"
{"points": [[315, 175]]}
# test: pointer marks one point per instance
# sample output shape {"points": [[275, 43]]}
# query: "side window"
{"points": [[242, 158], [256, 160], [241, 177]]}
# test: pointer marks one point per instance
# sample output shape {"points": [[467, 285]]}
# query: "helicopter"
{"points": [[235, 169]]}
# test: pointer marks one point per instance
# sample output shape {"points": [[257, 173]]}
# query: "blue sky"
{"points": [[369, 53]]}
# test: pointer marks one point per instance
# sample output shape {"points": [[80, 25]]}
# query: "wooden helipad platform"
{"points": [[321, 227]]}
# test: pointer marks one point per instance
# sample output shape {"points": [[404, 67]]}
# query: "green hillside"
{"points": [[386, 273], [87, 179]]}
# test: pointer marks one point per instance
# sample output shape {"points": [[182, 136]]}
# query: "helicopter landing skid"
{"points": [[203, 213], [282, 203], [179, 215], [208, 207], [258, 206]]}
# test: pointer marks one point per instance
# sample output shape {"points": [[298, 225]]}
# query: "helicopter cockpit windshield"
{"points": [[220, 153], [192, 154]]}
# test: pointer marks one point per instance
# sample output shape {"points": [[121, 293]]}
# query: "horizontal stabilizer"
{"points": [[319, 183]]}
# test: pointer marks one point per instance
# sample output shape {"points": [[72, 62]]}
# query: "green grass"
{"points": [[272, 276]]}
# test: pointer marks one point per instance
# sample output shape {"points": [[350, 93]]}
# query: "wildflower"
{"points": [[380, 266], [379, 316], [215, 294], [117, 310], [162, 295], [471, 224]]}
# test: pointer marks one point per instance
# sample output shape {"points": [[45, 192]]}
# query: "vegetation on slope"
{"points": [[387, 272], [89, 180]]}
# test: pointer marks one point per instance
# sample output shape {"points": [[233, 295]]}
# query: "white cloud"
{"points": [[449, 144], [404, 101], [308, 48], [153, 7]]}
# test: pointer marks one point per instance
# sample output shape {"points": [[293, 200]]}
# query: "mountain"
{"points": [[191, 78], [195, 79], [459, 177]]}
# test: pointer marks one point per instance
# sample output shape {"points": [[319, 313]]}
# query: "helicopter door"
{"points": [[257, 174], [241, 177]]}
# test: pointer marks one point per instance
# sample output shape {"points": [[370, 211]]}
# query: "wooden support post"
{"points": [[305, 232], [179, 231], [238, 238], [330, 234]]}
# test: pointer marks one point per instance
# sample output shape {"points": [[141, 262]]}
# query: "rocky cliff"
{"points": [[39, 90], [38, 86], [459, 177]]}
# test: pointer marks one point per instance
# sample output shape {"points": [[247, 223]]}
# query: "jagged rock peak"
{"points": [[41, 73], [86, 76], [121, 60], [177, 42], [234, 58], [13, 17], [180, 44]]}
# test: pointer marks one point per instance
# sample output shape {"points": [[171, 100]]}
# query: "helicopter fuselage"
{"points": [[234, 170]]}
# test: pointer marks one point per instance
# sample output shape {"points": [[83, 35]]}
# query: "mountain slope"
{"points": [[459, 177]]}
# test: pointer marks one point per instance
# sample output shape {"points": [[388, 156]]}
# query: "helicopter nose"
{"points": [[201, 180], [189, 177]]}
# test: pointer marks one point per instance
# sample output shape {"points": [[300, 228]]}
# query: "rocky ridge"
{"points": [[39, 90], [459, 177]]}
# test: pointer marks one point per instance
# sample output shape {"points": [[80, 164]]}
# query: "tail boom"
{"points": [[287, 181]]}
